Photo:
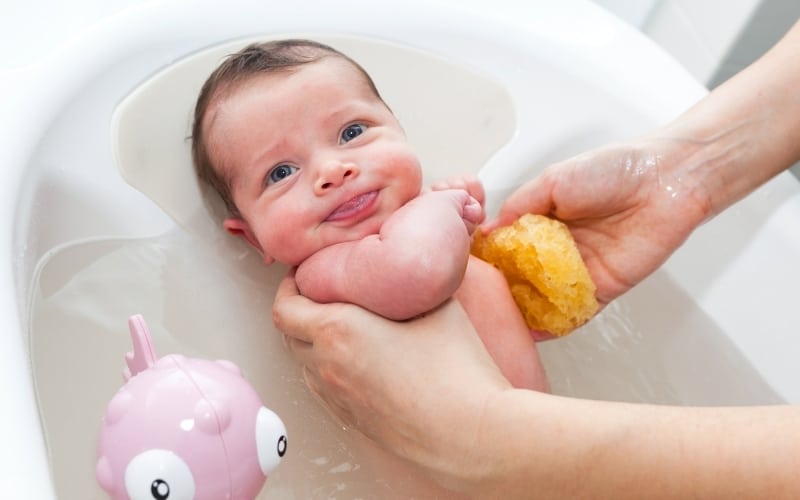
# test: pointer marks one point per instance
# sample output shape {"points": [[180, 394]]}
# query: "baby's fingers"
{"points": [[472, 214], [468, 183]]}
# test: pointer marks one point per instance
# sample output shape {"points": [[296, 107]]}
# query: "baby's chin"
{"points": [[330, 236], [363, 229], [367, 227]]}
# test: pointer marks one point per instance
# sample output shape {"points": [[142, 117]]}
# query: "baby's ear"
{"points": [[240, 228]]}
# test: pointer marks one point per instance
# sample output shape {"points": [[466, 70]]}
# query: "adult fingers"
{"points": [[301, 350], [342, 415], [535, 196], [292, 313], [541, 335]]}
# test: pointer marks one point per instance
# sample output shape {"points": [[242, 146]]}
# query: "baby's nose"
{"points": [[333, 174]]}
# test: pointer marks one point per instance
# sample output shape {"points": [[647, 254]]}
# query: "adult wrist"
{"points": [[712, 167]]}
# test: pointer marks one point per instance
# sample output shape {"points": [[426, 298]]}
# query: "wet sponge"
{"points": [[547, 276]]}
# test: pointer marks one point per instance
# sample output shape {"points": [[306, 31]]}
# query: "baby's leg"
{"points": [[485, 296]]}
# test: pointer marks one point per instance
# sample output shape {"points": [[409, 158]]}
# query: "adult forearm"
{"points": [[745, 131], [543, 446]]}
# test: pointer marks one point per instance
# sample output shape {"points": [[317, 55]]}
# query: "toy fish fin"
{"points": [[143, 355]]}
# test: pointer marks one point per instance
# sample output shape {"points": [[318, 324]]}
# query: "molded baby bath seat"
{"points": [[501, 91]]}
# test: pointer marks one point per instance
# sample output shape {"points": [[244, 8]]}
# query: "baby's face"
{"points": [[313, 158]]}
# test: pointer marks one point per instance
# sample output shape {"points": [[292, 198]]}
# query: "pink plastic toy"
{"points": [[184, 428]]}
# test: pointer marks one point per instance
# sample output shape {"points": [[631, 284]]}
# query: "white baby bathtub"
{"points": [[508, 88]]}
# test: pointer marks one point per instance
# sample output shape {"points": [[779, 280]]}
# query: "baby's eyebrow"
{"points": [[262, 158], [349, 110], [339, 116]]}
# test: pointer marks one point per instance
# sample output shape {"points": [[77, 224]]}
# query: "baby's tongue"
{"points": [[350, 207]]}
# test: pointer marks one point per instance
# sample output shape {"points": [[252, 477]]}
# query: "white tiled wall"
{"points": [[768, 22], [634, 12], [713, 39], [699, 34]]}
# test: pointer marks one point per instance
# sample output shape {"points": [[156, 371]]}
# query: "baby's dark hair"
{"points": [[255, 59]]}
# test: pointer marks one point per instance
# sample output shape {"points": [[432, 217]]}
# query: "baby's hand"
{"points": [[468, 183], [472, 213], [469, 207]]}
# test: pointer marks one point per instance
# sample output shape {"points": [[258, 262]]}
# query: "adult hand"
{"points": [[628, 206], [418, 388]]}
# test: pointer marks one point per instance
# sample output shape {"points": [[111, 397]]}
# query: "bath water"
{"points": [[213, 300]]}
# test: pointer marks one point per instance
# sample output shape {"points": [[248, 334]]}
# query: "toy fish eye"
{"points": [[282, 443], [159, 475], [271, 441], [159, 489]]}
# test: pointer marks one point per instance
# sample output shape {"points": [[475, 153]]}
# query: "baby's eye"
{"points": [[351, 132], [280, 172]]}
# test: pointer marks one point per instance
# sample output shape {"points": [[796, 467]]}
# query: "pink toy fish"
{"points": [[185, 428]]}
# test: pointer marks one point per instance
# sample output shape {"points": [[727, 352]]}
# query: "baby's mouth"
{"points": [[353, 207]]}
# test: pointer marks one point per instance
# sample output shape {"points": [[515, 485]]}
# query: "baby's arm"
{"points": [[414, 264]]}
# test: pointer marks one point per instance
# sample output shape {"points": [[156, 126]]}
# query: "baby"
{"points": [[316, 172]]}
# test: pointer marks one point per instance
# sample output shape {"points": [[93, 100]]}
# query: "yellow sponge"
{"points": [[547, 276]]}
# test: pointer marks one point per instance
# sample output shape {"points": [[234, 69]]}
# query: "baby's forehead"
{"points": [[336, 77], [329, 67]]}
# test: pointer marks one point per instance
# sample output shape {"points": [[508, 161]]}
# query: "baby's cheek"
{"points": [[286, 241]]}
